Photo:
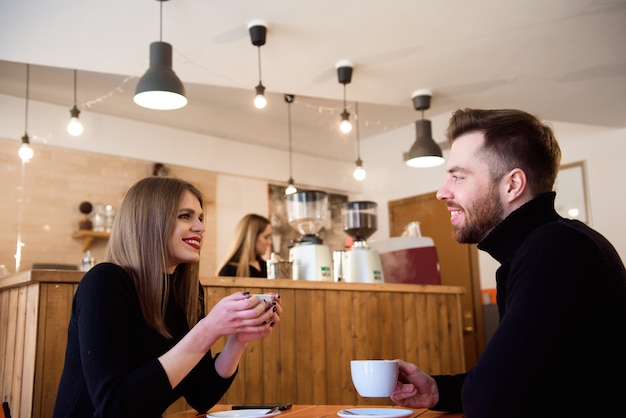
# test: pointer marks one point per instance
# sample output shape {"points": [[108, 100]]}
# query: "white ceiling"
{"points": [[564, 60]]}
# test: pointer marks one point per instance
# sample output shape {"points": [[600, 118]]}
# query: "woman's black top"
{"points": [[230, 269]]}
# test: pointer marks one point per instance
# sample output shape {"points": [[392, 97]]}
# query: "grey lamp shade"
{"points": [[160, 88], [424, 152]]}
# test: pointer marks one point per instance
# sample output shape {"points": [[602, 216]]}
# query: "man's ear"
{"points": [[514, 184]]}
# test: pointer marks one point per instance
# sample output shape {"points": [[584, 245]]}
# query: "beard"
{"points": [[481, 216]]}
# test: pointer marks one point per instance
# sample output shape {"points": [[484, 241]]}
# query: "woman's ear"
{"points": [[515, 184]]}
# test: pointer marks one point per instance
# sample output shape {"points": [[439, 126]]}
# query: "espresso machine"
{"points": [[361, 263], [307, 211]]}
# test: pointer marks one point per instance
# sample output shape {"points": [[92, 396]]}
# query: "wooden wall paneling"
{"points": [[5, 353], [253, 370], [55, 312], [346, 348], [432, 321], [29, 368], [410, 316], [372, 326], [418, 312], [212, 295], [286, 358], [317, 331], [333, 325], [270, 349], [4, 333], [302, 346], [15, 365], [388, 309], [440, 333], [457, 360]]}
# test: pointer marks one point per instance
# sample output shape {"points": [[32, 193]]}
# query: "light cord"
{"points": [[26, 105], [75, 87], [161, 21], [259, 62], [356, 120], [289, 127]]}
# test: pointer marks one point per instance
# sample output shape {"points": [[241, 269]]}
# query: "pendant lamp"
{"points": [[424, 152], [160, 88], [291, 188], [344, 74], [26, 152], [258, 33]]}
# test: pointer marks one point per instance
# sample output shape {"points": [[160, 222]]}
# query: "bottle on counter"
{"points": [[87, 262]]}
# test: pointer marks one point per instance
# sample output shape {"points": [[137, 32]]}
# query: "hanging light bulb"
{"points": [[259, 100], [26, 152], [160, 88], [74, 128], [258, 33], [291, 188], [344, 74], [345, 126], [359, 172]]}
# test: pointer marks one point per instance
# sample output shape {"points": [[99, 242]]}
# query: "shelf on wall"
{"points": [[89, 236]]}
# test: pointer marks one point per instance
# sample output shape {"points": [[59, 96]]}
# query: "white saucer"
{"points": [[247, 413], [375, 412]]}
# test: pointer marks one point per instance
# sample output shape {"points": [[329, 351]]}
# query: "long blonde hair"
{"points": [[243, 249], [138, 243]]}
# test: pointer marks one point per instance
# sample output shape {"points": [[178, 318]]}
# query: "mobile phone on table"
{"points": [[282, 407]]}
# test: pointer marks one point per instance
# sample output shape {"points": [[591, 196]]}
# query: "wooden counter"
{"points": [[305, 361]]}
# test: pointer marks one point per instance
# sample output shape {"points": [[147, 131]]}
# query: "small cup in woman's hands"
{"points": [[267, 298]]}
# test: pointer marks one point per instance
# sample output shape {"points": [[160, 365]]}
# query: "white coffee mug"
{"points": [[374, 378]]}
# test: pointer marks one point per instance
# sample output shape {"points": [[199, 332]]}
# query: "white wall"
{"points": [[246, 169]]}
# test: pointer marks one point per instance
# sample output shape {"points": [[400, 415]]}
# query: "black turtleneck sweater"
{"points": [[111, 367], [560, 347]]}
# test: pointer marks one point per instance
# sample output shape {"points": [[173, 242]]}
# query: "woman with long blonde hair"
{"points": [[138, 336], [252, 242]]}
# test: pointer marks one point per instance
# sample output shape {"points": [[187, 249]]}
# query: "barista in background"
{"points": [[253, 241]]}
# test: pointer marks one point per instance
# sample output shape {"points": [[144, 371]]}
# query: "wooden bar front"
{"points": [[306, 360]]}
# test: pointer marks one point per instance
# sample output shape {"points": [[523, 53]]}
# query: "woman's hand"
{"points": [[243, 314], [270, 317]]}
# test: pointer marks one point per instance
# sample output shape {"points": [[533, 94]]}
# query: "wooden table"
{"points": [[319, 411]]}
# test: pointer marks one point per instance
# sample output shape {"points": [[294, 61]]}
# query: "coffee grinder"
{"points": [[361, 263], [307, 211]]}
